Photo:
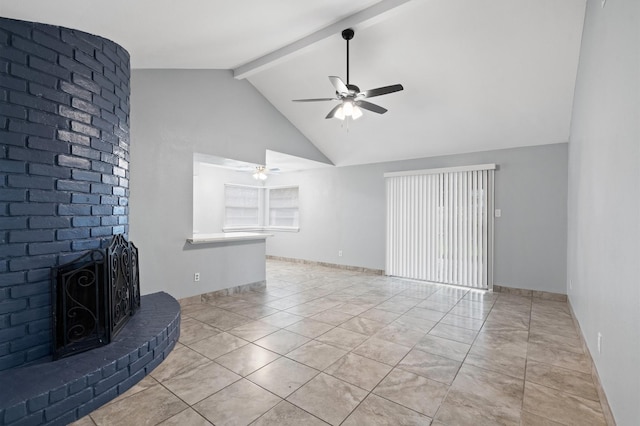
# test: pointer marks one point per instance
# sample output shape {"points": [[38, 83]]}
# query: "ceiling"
{"points": [[478, 74]]}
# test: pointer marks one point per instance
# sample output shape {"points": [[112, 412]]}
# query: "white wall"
{"points": [[604, 200], [174, 114], [343, 208]]}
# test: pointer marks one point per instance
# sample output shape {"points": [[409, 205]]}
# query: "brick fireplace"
{"points": [[64, 168], [64, 190]]}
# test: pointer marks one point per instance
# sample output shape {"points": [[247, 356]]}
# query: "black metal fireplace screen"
{"points": [[94, 297]]}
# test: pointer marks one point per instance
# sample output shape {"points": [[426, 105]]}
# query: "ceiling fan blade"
{"points": [[332, 113], [371, 107], [382, 90], [315, 100], [338, 84]]}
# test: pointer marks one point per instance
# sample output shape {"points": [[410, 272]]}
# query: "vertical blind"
{"points": [[440, 225]]}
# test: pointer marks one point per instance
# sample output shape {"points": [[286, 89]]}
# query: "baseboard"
{"points": [[547, 295], [205, 297], [328, 265], [606, 409]]}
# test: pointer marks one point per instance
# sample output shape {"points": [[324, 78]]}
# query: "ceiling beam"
{"points": [[365, 17]]}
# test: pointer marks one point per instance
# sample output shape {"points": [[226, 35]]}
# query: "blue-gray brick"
{"points": [[86, 83], [101, 167], [99, 210], [34, 129], [72, 233], [15, 111], [23, 317], [33, 75], [74, 114], [48, 145], [13, 250], [31, 262], [29, 341], [101, 231], [67, 136], [73, 162], [73, 209], [26, 181], [85, 106], [82, 151], [48, 93], [32, 209], [72, 185], [47, 170], [52, 43], [85, 199], [9, 334], [74, 66], [48, 119], [86, 221], [49, 222], [33, 48], [12, 166], [9, 306], [13, 195], [32, 101], [31, 156], [86, 176], [7, 223], [49, 68], [43, 324], [85, 129], [30, 236], [49, 196], [15, 139], [85, 244], [76, 91], [26, 290]]}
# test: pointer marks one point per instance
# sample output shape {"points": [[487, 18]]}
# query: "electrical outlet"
{"points": [[599, 342], [339, 253], [196, 277], [498, 213], [570, 284]]}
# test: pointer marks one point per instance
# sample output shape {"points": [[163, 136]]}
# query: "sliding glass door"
{"points": [[440, 225]]}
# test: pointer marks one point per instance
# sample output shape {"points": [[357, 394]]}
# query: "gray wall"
{"points": [[604, 200], [175, 113], [343, 208]]}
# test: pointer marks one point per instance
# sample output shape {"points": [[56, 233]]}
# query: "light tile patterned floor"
{"points": [[323, 345]]}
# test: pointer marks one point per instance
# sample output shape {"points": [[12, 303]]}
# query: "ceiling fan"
{"points": [[352, 99]]}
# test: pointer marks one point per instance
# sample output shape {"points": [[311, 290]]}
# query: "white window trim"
{"points": [[263, 213]]}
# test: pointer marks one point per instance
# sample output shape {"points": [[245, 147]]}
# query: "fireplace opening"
{"points": [[93, 297]]}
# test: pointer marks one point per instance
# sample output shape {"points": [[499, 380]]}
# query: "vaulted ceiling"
{"points": [[478, 74]]}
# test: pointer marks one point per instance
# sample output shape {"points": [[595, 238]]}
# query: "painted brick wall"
{"points": [[64, 168]]}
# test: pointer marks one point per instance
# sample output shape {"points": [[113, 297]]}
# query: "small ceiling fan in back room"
{"points": [[352, 100]]}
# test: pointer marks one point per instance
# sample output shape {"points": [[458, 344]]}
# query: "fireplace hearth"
{"points": [[94, 297]]}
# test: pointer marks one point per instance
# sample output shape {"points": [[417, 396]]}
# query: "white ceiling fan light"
{"points": [[260, 173]]}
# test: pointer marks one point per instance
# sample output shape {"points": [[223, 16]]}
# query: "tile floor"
{"points": [[322, 345]]}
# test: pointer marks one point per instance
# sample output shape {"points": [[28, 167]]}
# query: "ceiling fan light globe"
{"points": [[347, 107], [357, 112], [340, 114]]}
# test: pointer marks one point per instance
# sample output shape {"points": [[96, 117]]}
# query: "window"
{"points": [[257, 208], [242, 206], [283, 207]]}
